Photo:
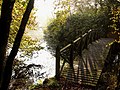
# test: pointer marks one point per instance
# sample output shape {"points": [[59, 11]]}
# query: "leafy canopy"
{"points": [[74, 20], [28, 45]]}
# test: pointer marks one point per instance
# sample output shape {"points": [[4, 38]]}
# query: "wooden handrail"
{"points": [[75, 41]]}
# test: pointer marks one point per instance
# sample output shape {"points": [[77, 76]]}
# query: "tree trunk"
{"points": [[13, 53], [114, 50], [5, 20]]}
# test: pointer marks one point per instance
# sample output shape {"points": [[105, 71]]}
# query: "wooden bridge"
{"points": [[82, 60]]}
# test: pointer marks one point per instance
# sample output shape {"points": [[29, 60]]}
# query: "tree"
{"points": [[111, 69], [106, 18], [65, 28], [4, 32], [27, 43], [5, 21]]}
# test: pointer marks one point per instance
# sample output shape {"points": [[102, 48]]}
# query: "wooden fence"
{"points": [[74, 67]]}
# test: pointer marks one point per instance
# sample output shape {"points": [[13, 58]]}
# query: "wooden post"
{"points": [[71, 55], [71, 60], [57, 63]]}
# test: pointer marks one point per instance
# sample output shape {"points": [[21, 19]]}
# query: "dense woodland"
{"points": [[73, 18]]}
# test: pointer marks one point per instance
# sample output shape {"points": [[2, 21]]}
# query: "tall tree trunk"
{"points": [[13, 53], [5, 20], [114, 50]]}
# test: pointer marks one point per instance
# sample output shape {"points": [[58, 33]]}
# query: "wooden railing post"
{"points": [[71, 59], [57, 63], [71, 55]]}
